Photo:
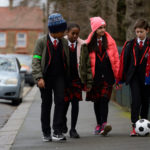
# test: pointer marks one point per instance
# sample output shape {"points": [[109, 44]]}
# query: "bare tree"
{"points": [[119, 15], [135, 9], [10, 4], [30, 3]]}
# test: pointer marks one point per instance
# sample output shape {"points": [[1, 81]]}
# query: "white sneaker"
{"points": [[58, 137], [46, 138]]}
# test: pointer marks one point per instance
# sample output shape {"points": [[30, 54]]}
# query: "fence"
{"points": [[123, 97]]}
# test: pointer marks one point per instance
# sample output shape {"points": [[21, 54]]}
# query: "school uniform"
{"points": [[102, 84], [102, 78], [73, 94], [50, 64], [54, 61], [54, 81], [134, 70], [95, 60]]}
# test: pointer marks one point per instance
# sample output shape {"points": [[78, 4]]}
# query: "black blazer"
{"points": [[132, 58]]}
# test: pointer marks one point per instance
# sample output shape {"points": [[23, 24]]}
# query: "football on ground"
{"points": [[142, 127]]}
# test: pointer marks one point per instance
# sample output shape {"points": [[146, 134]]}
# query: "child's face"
{"points": [[73, 34], [58, 35], [101, 31], [141, 33]]}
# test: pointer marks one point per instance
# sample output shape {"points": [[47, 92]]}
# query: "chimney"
{"points": [[10, 4]]}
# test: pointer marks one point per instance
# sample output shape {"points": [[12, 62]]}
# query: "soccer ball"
{"points": [[142, 127]]}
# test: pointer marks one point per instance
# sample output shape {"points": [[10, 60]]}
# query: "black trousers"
{"points": [[74, 112], [140, 99], [55, 84], [101, 110]]}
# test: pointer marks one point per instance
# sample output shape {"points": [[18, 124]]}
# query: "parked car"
{"points": [[26, 66], [11, 79]]}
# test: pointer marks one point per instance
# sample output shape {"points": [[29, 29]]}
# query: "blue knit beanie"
{"points": [[56, 23]]}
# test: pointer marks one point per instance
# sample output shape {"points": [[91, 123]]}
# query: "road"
{"points": [[6, 108]]}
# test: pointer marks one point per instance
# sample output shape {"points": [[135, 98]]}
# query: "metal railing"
{"points": [[123, 97]]}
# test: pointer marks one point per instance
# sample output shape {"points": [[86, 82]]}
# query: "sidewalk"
{"points": [[29, 136], [11, 128]]}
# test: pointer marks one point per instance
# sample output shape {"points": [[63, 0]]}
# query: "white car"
{"points": [[11, 79], [26, 66]]}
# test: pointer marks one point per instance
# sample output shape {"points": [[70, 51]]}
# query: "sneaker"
{"points": [[97, 130], [47, 138], [58, 137], [133, 133], [74, 134], [105, 129]]}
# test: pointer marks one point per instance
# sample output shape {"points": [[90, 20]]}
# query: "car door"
{"points": [[21, 77]]}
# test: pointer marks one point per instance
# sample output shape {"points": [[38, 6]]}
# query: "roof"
{"points": [[21, 18]]}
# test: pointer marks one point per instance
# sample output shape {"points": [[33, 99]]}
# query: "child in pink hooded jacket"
{"points": [[99, 65]]}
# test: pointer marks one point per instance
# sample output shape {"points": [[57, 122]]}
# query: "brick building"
{"points": [[19, 29]]}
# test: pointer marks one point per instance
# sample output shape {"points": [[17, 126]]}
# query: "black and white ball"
{"points": [[142, 127]]}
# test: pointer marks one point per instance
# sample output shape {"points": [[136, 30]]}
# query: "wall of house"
{"points": [[32, 36], [11, 47], [10, 42]]}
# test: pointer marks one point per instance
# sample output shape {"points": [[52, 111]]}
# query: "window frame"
{"points": [[5, 40], [24, 40]]}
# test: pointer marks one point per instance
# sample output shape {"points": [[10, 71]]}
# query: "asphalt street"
{"points": [[6, 108]]}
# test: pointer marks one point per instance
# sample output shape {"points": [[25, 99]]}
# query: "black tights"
{"points": [[74, 112], [101, 110]]}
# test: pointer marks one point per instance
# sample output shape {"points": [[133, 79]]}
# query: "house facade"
{"points": [[20, 27]]}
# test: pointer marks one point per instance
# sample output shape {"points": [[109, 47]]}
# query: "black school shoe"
{"points": [[74, 134], [65, 129]]}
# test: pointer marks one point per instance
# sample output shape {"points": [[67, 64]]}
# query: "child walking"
{"points": [[73, 94], [99, 65], [135, 71], [50, 65]]}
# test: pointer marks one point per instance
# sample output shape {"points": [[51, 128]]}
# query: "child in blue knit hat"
{"points": [[50, 67]]}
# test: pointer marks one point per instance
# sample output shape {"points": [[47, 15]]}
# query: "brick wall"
{"points": [[31, 35]]}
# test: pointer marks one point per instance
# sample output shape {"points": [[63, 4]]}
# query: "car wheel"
{"points": [[31, 83], [17, 101]]}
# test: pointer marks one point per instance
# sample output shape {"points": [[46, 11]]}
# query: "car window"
{"points": [[23, 59], [7, 64]]}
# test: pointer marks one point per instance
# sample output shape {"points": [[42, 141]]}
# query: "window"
{"points": [[21, 40], [40, 34], [2, 39]]}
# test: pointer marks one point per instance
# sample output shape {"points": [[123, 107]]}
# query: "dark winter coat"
{"points": [[39, 57], [131, 60]]}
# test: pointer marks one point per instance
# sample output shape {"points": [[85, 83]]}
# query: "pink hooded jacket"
{"points": [[112, 50]]}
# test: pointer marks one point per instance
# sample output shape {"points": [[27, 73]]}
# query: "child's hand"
{"points": [[86, 88], [41, 83], [118, 86]]}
